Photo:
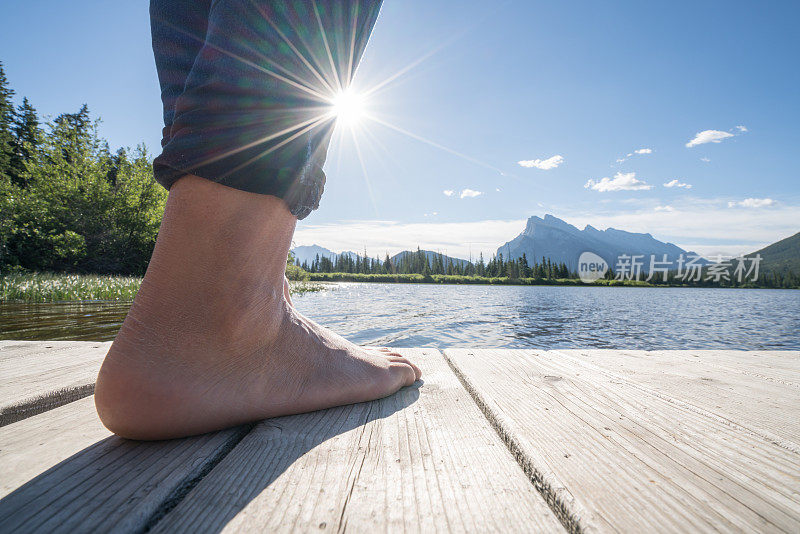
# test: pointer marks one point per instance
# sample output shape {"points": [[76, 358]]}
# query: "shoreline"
{"points": [[62, 287], [447, 279]]}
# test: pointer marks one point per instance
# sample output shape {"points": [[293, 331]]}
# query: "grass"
{"points": [[46, 287], [304, 286]]}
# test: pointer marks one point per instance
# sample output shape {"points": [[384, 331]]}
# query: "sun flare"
{"points": [[348, 107]]}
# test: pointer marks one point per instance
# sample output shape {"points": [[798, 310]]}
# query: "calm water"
{"points": [[493, 316]]}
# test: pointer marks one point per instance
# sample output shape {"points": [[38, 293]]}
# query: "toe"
{"points": [[404, 372], [402, 359], [386, 351]]}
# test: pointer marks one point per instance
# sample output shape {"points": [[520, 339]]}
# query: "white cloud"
{"points": [[708, 136], [705, 159], [621, 182], [752, 203], [664, 208], [543, 164], [470, 193], [741, 128], [676, 183], [465, 193], [637, 151]]}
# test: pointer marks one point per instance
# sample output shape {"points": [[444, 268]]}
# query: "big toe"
{"points": [[402, 372], [395, 356]]}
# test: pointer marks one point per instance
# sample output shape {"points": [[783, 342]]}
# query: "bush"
{"points": [[293, 272], [77, 207]]}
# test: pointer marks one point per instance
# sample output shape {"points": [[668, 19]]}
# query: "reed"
{"points": [[46, 287], [49, 287]]}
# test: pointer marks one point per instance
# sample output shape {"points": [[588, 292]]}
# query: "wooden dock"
{"points": [[491, 440]]}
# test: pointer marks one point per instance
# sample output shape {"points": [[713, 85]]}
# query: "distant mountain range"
{"points": [[551, 237], [563, 243], [308, 253]]}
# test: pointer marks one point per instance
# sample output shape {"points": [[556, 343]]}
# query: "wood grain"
{"points": [[63, 472], [29, 448], [424, 459], [758, 390], [41, 375], [616, 454]]}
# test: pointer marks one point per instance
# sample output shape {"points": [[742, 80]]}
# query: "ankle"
{"points": [[217, 271], [211, 231]]}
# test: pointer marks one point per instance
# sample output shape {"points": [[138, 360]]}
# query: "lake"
{"points": [[423, 315]]}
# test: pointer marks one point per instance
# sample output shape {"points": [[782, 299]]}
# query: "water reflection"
{"points": [[88, 321], [493, 316]]}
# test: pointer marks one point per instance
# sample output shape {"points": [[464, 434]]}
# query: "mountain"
{"points": [[430, 255], [781, 257], [307, 253], [561, 242]]}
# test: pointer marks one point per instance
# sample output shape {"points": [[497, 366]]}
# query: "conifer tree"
{"points": [[26, 139], [6, 126]]}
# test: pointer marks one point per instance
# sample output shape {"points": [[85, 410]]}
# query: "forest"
{"points": [[419, 262], [419, 267], [67, 202]]}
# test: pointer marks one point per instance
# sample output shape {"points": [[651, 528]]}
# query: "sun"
{"points": [[347, 107]]}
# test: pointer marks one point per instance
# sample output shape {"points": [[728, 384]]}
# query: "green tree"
{"points": [[26, 140], [71, 217], [6, 125]]}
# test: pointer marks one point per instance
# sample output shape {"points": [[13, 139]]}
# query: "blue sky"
{"points": [[503, 82]]}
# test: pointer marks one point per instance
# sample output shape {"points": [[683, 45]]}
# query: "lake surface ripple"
{"points": [[546, 317]]}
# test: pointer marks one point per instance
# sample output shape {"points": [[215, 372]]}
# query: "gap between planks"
{"points": [[617, 455], [424, 459], [89, 480], [100, 480], [39, 376]]}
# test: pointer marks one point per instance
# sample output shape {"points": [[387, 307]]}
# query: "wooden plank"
{"points": [[758, 390], [40, 375], [617, 455], [31, 447], [10, 349], [64, 473], [424, 459]]}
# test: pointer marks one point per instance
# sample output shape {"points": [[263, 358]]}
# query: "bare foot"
{"points": [[212, 340]]}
